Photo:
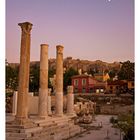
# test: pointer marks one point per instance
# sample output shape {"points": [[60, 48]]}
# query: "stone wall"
{"points": [[86, 107], [116, 109], [33, 105]]}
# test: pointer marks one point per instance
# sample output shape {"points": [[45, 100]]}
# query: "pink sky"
{"points": [[88, 29]]}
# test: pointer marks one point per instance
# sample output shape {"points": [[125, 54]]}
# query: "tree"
{"points": [[51, 72], [127, 71], [112, 74], [125, 123], [92, 71], [12, 77], [34, 79], [67, 77]]}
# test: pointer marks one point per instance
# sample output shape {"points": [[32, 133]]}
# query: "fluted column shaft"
{"points": [[22, 103], [70, 100], [49, 102], [43, 90], [59, 81]]}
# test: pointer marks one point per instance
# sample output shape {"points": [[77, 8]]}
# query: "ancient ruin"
{"points": [[43, 91], [44, 125], [70, 100], [22, 102], [59, 81]]}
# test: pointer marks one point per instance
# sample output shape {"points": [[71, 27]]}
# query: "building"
{"points": [[101, 76], [116, 86], [131, 84], [99, 86], [87, 84]]}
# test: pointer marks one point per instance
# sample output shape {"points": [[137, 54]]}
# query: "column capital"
{"points": [[26, 27], [69, 89], [59, 48], [42, 45]]}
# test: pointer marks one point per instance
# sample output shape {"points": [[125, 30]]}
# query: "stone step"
{"points": [[15, 138], [16, 130], [41, 134], [31, 130], [22, 135], [46, 124], [51, 119], [34, 138], [28, 125], [50, 128], [61, 122], [57, 129], [14, 126], [42, 120], [60, 118]]}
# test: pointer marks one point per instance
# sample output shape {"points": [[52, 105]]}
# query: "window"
{"points": [[91, 90], [76, 82], [97, 90], [76, 90], [83, 81], [83, 90], [102, 90]]}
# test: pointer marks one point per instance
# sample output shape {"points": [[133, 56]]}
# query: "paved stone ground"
{"points": [[102, 133], [95, 134]]}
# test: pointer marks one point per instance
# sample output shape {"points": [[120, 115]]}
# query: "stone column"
{"points": [[59, 81], [43, 90], [49, 102], [14, 105], [22, 103], [70, 100]]}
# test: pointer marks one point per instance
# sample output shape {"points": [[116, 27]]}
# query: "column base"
{"points": [[21, 123], [13, 114], [59, 115], [43, 117], [50, 113]]}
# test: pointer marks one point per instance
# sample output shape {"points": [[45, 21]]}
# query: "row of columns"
{"points": [[44, 96], [22, 106]]}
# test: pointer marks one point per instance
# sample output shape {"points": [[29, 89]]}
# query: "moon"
{"points": [[109, 0]]}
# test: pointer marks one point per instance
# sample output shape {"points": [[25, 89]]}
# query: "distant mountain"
{"points": [[84, 65]]}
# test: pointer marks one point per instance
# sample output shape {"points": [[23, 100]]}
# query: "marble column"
{"points": [[14, 105], [49, 102], [59, 81], [22, 102], [70, 100], [43, 90]]}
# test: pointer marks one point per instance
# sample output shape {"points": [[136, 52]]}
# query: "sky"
{"points": [[88, 29]]}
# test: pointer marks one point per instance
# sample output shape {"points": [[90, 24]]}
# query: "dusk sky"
{"points": [[88, 29]]}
